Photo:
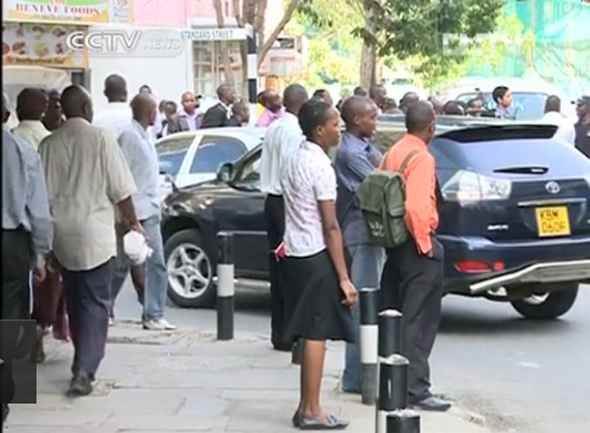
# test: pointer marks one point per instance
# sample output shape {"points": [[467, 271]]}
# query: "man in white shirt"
{"points": [[565, 131], [117, 116], [87, 177], [281, 139], [30, 106], [138, 147]]}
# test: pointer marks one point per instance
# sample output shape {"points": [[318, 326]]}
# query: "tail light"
{"points": [[466, 186], [477, 266]]}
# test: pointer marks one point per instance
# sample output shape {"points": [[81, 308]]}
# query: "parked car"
{"points": [[529, 94], [188, 158], [515, 220]]}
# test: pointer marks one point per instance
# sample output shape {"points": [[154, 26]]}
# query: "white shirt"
{"points": [[86, 176], [32, 131], [565, 131], [281, 139], [140, 153], [308, 177], [115, 118]]}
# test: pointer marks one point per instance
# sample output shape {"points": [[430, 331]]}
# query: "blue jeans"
{"points": [[365, 268], [156, 282]]}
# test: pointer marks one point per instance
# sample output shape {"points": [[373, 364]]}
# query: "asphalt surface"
{"points": [[523, 376]]}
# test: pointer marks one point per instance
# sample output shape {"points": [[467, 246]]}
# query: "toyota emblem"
{"points": [[552, 187]]}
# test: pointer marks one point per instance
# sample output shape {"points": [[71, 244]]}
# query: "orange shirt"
{"points": [[420, 182]]}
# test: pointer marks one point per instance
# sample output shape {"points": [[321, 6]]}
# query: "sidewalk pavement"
{"points": [[182, 381]]}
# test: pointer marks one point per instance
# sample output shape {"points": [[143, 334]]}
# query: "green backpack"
{"points": [[381, 198]]}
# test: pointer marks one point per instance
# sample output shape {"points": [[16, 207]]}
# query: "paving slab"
{"points": [[194, 383]]}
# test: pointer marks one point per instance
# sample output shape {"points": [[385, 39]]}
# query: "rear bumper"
{"points": [[534, 261]]}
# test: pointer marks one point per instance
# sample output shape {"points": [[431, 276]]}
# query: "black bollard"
{"points": [[393, 388], [403, 421], [225, 287], [390, 333], [369, 331]]}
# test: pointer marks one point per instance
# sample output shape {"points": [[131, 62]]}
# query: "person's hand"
{"points": [[349, 292], [39, 273], [430, 254]]}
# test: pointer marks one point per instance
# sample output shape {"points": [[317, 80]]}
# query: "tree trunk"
{"points": [[368, 65], [267, 44], [369, 52], [225, 58]]}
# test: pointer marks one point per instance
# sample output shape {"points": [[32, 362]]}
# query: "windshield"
{"points": [[211, 156], [527, 106], [171, 154]]}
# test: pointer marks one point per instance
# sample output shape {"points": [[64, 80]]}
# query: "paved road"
{"points": [[525, 377]]}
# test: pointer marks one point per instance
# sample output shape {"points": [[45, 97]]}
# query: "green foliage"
{"points": [[334, 51], [416, 27]]}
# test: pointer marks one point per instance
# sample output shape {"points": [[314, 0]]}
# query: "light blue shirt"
{"points": [[141, 156], [24, 194]]}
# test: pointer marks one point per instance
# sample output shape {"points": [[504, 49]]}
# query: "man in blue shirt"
{"points": [[356, 158], [141, 156]]}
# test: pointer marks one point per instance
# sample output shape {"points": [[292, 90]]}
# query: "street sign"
{"points": [[215, 34]]}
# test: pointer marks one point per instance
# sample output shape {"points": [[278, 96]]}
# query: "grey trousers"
{"points": [[88, 300]]}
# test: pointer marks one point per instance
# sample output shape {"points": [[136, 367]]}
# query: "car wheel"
{"points": [[544, 305], [190, 270]]}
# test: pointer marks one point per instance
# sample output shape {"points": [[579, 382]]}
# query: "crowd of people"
{"points": [[75, 184]]}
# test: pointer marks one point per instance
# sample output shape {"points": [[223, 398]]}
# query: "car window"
{"points": [[249, 170], [529, 106], [213, 151], [171, 154]]}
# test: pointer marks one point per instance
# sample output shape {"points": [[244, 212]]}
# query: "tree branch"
{"points": [[267, 45]]}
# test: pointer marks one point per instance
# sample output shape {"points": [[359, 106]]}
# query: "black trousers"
{"points": [[274, 210], [16, 266], [88, 302], [412, 283]]}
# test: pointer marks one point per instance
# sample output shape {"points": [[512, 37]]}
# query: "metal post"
{"points": [[393, 388], [225, 287], [252, 67], [369, 331], [403, 421], [390, 333]]}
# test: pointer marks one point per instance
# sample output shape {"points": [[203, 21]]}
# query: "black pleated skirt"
{"points": [[315, 301]]}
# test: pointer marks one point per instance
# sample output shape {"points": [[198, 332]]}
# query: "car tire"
{"points": [[193, 244], [555, 303]]}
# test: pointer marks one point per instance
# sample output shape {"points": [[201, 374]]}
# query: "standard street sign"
{"points": [[214, 34]]}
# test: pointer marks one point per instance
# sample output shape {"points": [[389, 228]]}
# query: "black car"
{"points": [[514, 220]]}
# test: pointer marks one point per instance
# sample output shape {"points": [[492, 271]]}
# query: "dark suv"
{"points": [[514, 219]]}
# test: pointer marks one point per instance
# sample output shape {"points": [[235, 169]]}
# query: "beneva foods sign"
{"points": [[75, 11]]}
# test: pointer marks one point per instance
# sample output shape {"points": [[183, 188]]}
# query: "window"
{"points": [[171, 154], [213, 151], [528, 106], [208, 65], [249, 171]]}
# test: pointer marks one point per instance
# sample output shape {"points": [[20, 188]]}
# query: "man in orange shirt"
{"points": [[412, 279]]}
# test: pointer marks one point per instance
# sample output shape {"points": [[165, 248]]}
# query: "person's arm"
{"points": [[37, 208], [361, 165], [325, 192], [420, 183], [120, 184], [290, 141]]}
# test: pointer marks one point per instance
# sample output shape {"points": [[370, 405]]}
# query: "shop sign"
{"points": [[64, 11], [41, 45]]}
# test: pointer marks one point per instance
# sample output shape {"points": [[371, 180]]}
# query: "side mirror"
{"points": [[225, 171]]}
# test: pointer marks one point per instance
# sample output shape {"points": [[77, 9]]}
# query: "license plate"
{"points": [[553, 221]]}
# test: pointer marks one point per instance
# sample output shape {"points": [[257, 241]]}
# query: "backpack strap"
{"points": [[407, 160]]}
